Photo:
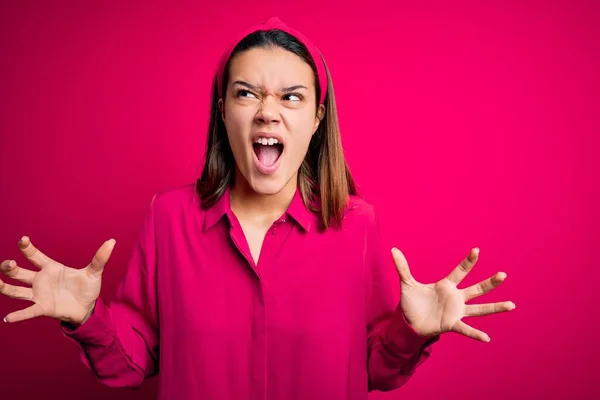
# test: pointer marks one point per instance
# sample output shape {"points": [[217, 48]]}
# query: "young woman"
{"points": [[266, 278]]}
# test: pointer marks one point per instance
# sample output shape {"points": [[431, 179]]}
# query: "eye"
{"points": [[293, 97], [244, 93]]}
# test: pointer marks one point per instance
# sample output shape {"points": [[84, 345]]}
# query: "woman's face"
{"points": [[270, 116]]}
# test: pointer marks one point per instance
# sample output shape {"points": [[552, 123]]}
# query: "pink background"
{"points": [[470, 125]]}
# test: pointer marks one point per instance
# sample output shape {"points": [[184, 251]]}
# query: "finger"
{"points": [[484, 286], [478, 310], [16, 292], [100, 259], [402, 266], [13, 271], [465, 266], [469, 331], [30, 312], [36, 257]]}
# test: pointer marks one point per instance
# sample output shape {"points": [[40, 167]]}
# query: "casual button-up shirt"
{"points": [[317, 317]]}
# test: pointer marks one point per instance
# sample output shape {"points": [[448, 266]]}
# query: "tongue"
{"points": [[268, 155]]}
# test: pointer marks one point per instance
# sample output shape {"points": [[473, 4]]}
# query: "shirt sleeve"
{"points": [[119, 341], [395, 349]]}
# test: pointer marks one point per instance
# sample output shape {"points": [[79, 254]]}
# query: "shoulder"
{"points": [[175, 199], [360, 212]]}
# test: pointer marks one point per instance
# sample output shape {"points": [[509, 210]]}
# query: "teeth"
{"points": [[267, 142]]}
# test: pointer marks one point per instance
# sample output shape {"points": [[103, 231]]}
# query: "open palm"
{"points": [[439, 307], [57, 291]]}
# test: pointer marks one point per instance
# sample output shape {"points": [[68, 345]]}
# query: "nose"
{"points": [[268, 111]]}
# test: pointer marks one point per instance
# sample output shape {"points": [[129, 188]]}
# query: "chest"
{"points": [[254, 235], [303, 282]]}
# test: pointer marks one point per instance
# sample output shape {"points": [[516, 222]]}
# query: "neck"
{"points": [[247, 204]]}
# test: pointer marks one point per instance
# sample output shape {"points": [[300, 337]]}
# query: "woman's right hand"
{"points": [[57, 291]]}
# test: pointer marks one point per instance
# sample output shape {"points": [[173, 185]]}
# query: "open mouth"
{"points": [[267, 151]]}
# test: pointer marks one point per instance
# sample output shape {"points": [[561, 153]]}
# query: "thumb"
{"points": [[402, 266], [101, 258]]}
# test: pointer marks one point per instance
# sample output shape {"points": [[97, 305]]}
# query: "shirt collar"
{"points": [[297, 210]]}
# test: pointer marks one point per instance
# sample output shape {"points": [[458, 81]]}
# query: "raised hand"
{"points": [[435, 308], [57, 291]]}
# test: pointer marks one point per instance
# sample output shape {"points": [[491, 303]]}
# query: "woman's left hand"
{"points": [[435, 308]]}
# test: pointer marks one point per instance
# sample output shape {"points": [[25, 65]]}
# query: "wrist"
{"points": [[415, 326], [80, 321]]}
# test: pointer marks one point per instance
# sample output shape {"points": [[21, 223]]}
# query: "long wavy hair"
{"points": [[324, 179]]}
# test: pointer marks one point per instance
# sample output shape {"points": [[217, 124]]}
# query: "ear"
{"points": [[221, 109], [319, 117]]}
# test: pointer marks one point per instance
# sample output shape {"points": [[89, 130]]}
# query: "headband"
{"points": [[276, 23]]}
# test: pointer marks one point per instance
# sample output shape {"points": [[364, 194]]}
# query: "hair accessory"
{"points": [[276, 23]]}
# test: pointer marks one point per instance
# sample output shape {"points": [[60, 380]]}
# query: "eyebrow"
{"points": [[256, 89]]}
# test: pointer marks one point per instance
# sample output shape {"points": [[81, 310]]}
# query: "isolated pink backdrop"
{"points": [[474, 124]]}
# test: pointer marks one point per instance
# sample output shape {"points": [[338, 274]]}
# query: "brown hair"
{"points": [[324, 179]]}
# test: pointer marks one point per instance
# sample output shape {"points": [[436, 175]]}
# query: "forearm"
{"points": [[115, 347], [395, 350]]}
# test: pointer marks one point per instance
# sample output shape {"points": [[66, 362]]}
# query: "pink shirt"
{"points": [[317, 318]]}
